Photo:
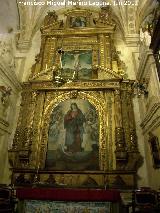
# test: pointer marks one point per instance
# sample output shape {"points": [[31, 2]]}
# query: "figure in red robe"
{"points": [[73, 123]]}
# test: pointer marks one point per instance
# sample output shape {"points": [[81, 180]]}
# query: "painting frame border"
{"points": [[99, 104], [87, 45], [77, 73]]}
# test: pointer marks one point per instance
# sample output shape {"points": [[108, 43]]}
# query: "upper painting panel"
{"points": [[77, 64], [78, 21]]}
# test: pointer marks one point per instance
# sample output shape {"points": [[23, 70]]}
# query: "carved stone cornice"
{"points": [[152, 118], [132, 40], [9, 75], [24, 45], [146, 61]]}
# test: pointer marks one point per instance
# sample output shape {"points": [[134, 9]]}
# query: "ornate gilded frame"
{"points": [[52, 102], [78, 13], [70, 44]]}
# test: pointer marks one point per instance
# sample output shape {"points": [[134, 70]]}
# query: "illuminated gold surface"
{"points": [[106, 91]]}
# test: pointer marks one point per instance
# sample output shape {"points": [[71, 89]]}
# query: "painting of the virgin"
{"points": [[73, 137], [73, 123]]}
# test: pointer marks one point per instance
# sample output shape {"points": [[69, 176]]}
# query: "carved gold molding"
{"points": [[82, 31], [80, 85], [40, 95]]}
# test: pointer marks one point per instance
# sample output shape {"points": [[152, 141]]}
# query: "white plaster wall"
{"points": [[149, 113], [30, 56], [9, 113], [143, 170], [128, 53], [6, 132]]}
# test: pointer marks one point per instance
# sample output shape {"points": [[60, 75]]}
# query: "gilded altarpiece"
{"points": [[81, 131]]}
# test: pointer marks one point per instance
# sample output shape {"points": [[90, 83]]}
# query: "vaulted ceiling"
{"points": [[9, 16], [24, 21], [16, 16]]}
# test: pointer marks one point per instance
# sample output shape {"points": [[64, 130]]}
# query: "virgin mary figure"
{"points": [[73, 123]]}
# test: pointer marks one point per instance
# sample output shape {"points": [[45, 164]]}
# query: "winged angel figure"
{"points": [[75, 131]]}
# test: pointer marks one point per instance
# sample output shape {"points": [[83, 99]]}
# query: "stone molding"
{"points": [[10, 75], [146, 60], [152, 118], [132, 40]]}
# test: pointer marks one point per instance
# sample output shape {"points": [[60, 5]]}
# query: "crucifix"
{"points": [[77, 67]]}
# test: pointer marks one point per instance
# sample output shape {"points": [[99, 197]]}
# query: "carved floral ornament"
{"points": [[6, 50], [5, 93]]}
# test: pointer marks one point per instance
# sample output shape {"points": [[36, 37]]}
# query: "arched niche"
{"points": [[91, 153]]}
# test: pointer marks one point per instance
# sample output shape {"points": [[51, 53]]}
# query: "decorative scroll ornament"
{"points": [[5, 93], [51, 22], [105, 16]]}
